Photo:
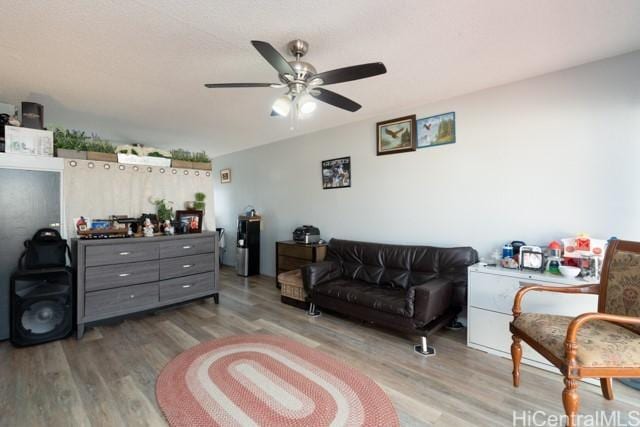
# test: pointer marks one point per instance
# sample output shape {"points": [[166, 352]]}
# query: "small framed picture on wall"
{"points": [[437, 130], [336, 173], [225, 176], [396, 135]]}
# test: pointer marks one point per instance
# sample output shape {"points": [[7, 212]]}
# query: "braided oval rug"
{"points": [[264, 380]]}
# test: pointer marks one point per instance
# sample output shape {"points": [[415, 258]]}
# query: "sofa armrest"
{"points": [[431, 299], [319, 272]]}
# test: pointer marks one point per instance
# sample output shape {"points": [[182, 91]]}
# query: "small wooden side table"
{"points": [[291, 255]]}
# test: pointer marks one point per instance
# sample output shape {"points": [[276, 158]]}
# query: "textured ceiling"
{"points": [[134, 70]]}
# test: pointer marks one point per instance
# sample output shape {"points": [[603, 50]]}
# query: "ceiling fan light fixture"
{"points": [[282, 106], [307, 105]]}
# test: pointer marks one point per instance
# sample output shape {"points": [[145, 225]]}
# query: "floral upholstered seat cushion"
{"points": [[600, 343], [623, 288]]}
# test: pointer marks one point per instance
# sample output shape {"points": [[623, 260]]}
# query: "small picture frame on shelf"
{"points": [[189, 221], [225, 176]]}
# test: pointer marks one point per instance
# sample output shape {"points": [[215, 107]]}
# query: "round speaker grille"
{"points": [[43, 317]]}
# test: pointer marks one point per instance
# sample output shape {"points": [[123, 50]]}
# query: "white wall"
{"points": [[97, 192], [535, 160]]}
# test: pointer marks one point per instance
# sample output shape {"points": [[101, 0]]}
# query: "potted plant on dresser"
{"points": [[70, 144], [199, 203]]}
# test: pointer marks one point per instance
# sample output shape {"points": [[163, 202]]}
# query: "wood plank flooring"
{"points": [[108, 378]]}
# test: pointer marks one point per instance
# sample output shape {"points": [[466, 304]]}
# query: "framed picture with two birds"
{"points": [[396, 135], [436, 130]]}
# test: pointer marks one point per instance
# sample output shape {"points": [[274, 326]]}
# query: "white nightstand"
{"points": [[491, 294]]}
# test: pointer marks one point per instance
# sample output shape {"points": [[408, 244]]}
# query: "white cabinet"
{"points": [[491, 294]]}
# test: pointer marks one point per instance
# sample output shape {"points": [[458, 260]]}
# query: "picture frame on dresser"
{"points": [[190, 220]]}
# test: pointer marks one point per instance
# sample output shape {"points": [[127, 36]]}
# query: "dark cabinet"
{"points": [[291, 255]]}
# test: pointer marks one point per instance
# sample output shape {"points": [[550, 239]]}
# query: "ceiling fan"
{"points": [[303, 82]]}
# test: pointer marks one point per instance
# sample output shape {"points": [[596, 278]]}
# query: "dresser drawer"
{"points": [[120, 300], [112, 276], [296, 251], [184, 247], [491, 330], [492, 292], [287, 263], [183, 288], [496, 293], [186, 265], [116, 254]]}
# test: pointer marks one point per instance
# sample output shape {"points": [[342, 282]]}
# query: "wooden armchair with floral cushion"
{"points": [[602, 345]]}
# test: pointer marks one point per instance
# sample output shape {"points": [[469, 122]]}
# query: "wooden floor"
{"points": [[108, 378]]}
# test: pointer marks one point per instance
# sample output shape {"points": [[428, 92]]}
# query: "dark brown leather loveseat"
{"points": [[416, 289]]}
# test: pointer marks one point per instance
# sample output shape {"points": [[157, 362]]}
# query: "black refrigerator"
{"points": [[248, 246]]}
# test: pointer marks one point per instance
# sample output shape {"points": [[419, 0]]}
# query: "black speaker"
{"points": [[41, 306]]}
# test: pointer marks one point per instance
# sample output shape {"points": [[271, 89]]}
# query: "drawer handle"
{"points": [[186, 286], [132, 296], [186, 247], [125, 253], [187, 266], [124, 274]]}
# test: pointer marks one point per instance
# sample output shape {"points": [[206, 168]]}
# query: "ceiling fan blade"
{"points": [[231, 85], [347, 74], [335, 99], [273, 57]]}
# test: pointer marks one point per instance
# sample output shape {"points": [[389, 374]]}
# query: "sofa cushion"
{"points": [[600, 343], [398, 266], [382, 298]]}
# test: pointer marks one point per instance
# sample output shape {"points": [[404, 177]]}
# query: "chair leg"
{"points": [[570, 400], [606, 384], [516, 356]]}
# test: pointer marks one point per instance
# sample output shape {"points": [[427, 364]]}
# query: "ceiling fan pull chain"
{"points": [[293, 116]]}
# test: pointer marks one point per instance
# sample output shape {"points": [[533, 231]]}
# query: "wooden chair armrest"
{"points": [[582, 289], [571, 341], [572, 330]]}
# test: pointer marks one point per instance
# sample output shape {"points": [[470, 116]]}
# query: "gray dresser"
{"points": [[123, 276]]}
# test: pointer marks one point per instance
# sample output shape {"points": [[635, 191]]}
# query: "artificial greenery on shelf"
{"points": [[99, 145], [69, 139], [157, 154], [185, 155], [129, 151], [65, 139], [180, 154], [199, 203], [200, 157]]}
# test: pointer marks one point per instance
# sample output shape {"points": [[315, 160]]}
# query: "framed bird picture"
{"points": [[437, 130], [396, 135]]}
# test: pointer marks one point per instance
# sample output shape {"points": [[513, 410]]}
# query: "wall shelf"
{"points": [[26, 162]]}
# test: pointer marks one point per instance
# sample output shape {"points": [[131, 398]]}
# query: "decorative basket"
{"points": [[291, 285]]}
